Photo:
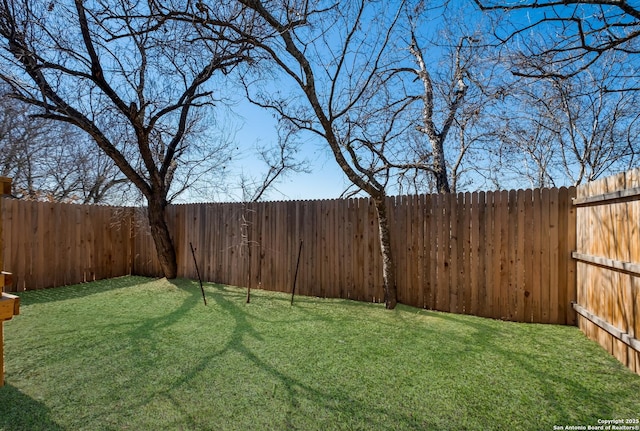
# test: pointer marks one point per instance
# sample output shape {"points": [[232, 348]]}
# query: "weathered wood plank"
{"points": [[553, 257], [519, 292], [474, 249], [488, 253], [456, 252], [481, 265], [429, 241], [500, 254], [606, 198]]}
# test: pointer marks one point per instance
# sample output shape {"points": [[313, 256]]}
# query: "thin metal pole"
{"points": [[295, 277], [193, 253]]}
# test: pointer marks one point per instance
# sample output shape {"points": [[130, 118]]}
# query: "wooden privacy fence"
{"points": [[503, 254], [50, 244], [515, 255], [608, 269]]}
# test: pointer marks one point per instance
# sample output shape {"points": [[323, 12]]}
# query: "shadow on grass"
{"points": [[82, 290], [297, 391], [301, 398], [146, 329], [20, 412], [553, 380]]}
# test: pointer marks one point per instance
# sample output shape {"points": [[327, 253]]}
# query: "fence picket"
{"points": [[519, 286], [429, 277], [488, 253], [479, 247], [464, 256], [553, 257], [528, 256], [498, 255], [456, 250], [475, 268]]}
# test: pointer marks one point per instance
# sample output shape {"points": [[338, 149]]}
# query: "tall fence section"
{"points": [[504, 255], [49, 244], [608, 268]]}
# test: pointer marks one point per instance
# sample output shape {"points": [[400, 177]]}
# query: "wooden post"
{"points": [[9, 304], [5, 189], [1, 353], [9, 307]]}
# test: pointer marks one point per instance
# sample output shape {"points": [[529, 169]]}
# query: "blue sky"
{"points": [[257, 127]]}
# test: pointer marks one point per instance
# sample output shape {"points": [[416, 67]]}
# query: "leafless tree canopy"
{"points": [[569, 128], [54, 161], [562, 38], [125, 74], [452, 82]]}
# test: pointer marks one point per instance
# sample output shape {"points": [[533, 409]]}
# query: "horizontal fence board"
{"points": [[611, 329], [632, 193], [633, 268]]}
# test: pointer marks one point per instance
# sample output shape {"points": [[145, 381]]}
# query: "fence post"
{"points": [[9, 304]]}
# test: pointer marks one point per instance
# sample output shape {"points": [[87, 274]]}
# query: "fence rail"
{"points": [[608, 264]]}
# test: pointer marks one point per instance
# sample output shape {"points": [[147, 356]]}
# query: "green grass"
{"points": [[139, 354]]}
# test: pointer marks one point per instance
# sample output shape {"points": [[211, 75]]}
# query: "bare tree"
{"points": [[53, 161], [456, 80], [448, 81], [570, 130], [127, 76], [524, 149], [437, 135], [280, 160], [337, 56], [574, 35]]}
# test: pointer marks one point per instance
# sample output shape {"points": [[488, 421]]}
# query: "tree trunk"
{"points": [[388, 267], [161, 237], [440, 167]]}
